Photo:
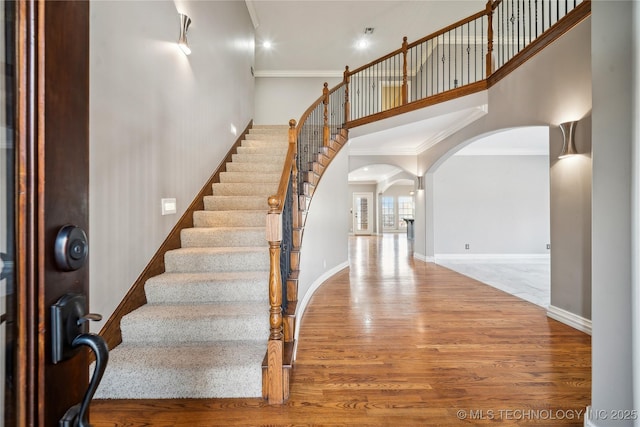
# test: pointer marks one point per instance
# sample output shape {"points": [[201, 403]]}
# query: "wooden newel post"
{"points": [[405, 91], [274, 237], [489, 62], [276, 337], [347, 103], [325, 102]]}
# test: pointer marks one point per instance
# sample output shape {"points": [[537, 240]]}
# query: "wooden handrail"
{"points": [[285, 176], [277, 390], [449, 28]]}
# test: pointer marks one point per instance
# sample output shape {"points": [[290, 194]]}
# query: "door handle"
{"points": [[77, 415], [69, 322]]}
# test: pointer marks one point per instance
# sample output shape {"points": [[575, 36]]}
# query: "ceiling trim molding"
{"points": [[440, 136], [252, 13], [503, 152], [384, 152], [298, 73]]}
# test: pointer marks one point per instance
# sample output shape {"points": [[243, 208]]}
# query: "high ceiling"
{"points": [[312, 37]]}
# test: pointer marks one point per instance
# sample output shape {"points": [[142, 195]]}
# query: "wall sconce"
{"points": [[569, 135], [185, 21], [420, 183]]}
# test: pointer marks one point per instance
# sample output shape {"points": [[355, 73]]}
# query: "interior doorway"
{"points": [[362, 213]]}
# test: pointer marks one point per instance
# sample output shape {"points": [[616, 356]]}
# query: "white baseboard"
{"points": [[423, 257], [487, 258], [569, 319], [302, 305], [587, 421]]}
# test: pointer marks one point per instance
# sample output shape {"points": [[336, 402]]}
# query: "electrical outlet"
{"points": [[548, 246], [466, 246]]}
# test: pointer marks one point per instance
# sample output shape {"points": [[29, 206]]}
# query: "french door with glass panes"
{"points": [[362, 213]]}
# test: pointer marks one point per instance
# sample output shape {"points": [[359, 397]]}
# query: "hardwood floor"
{"points": [[393, 341]]}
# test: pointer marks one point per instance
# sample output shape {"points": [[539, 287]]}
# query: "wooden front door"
{"points": [[47, 103]]}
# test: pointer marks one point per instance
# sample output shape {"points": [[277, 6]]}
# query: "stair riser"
{"points": [[244, 189], [198, 383], [281, 130], [229, 218], [258, 158], [211, 292], [230, 261], [230, 203], [264, 151], [266, 137], [258, 143], [255, 167], [195, 330], [216, 237], [243, 177]]}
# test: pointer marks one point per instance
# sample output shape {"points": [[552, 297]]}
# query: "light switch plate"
{"points": [[168, 206]]}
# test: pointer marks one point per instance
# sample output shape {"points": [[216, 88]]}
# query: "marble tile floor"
{"points": [[528, 279]]}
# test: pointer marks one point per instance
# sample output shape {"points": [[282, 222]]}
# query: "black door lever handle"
{"points": [[77, 415]]}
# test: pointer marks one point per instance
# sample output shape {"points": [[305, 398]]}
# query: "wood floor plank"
{"points": [[393, 341]]}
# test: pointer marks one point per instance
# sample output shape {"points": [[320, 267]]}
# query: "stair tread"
{"points": [[161, 371], [220, 250], [209, 277], [216, 353], [177, 311]]}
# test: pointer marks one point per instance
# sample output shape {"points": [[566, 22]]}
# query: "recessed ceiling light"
{"points": [[266, 44], [362, 44]]}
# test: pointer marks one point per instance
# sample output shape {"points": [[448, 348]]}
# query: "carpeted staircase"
{"points": [[203, 332]]}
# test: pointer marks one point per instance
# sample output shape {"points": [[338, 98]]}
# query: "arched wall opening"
{"points": [[491, 211], [386, 193]]}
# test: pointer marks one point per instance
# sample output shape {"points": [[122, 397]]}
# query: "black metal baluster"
{"points": [[475, 50], [455, 58], [530, 33], [503, 37], [468, 52], [437, 66], [518, 26]]}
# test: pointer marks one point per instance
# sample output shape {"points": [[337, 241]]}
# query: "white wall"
{"points": [[496, 204], [570, 183], [159, 124], [614, 114], [280, 99], [326, 233]]}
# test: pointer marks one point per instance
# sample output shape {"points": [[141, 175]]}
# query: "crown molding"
{"points": [[252, 13], [298, 73]]}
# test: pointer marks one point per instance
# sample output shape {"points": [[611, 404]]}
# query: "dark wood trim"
{"points": [[448, 28], [573, 18], [422, 103], [26, 179], [136, 297]]}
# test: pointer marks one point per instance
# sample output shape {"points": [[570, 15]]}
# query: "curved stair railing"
{"points": [[468, 56]]}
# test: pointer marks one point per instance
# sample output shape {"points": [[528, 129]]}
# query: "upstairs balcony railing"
{"points": [[465, 57]]}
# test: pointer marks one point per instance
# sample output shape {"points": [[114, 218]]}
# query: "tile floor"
{"points": [[528, 279]]}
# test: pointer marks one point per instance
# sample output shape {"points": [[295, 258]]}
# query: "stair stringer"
{"points": [[311, 179]]}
